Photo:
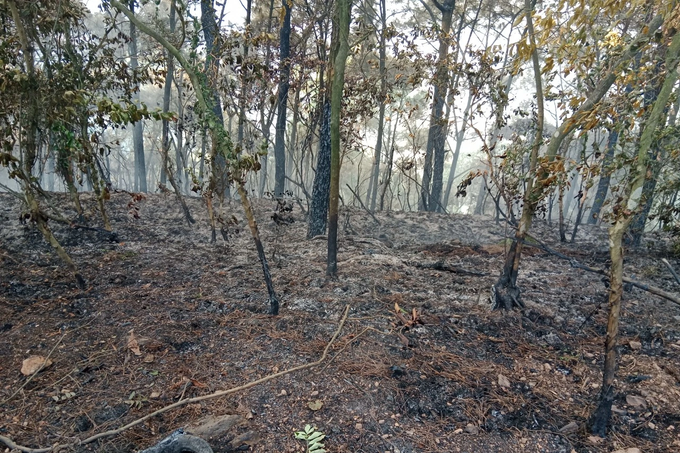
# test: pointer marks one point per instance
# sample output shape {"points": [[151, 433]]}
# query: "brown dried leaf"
{"points": [[34, 364], [132, 344]]}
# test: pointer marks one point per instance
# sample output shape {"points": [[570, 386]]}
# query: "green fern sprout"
{"points": [[313, 439]]}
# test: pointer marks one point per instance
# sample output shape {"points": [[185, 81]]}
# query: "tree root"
{"points": [[13, 446]]}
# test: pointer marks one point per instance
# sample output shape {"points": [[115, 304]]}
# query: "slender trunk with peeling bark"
{"points": [[630, 203], [342, 20]]}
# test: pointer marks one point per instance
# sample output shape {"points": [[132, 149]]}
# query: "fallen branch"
{"points": [[574, 263], [670, 268], [13, 446], [363, 205]]}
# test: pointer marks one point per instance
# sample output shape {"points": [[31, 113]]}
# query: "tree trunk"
{"points": [[318, 211], [282, 104], [631, 201], [605, 177], [138, 127], [382, 98], [460, 137], [505, 292], [340, 53], [534, 193], [220, 175], [433, 167], [387, 179]]}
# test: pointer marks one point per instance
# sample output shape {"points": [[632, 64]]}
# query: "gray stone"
{"points": [[471, 429], [571, 427], [636, 402]]}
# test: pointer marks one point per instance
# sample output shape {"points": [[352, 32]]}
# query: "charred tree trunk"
{"points": [[318, 212]]}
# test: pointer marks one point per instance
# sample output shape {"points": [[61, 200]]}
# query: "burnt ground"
{"points": [[199, 315]]}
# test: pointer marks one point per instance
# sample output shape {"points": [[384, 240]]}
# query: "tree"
{"points": [[239, 165], [138, 131], [382, 99], [166, 169], [630, 203], [434, 152], [506, 294], [220, 178], [282, 102], [339, 53]]}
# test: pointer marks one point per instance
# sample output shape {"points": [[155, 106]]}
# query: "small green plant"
{"points": [[313, 439]]}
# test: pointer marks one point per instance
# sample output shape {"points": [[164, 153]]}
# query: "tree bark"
{"points": [[342, 20], [382, 98], [138, 127], [284, 84], [433, 166], [318, 211], [631, 202]]}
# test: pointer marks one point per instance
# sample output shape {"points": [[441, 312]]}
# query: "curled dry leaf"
{"points": [[132, 344], [34, 364]]}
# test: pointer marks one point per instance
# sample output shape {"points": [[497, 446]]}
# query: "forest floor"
{"points": [[445, 375]]}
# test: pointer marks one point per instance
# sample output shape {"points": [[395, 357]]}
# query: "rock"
{"points": [[178, 442], [212, 427], [471, 429], [246, 439], [618, 410], [571, 427], [636, 402], [635, 345], [595, 440], [33, 364], [503, 381], [628, 450]]}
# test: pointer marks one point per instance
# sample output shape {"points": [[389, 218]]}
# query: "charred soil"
{"points": [[421, 365]]}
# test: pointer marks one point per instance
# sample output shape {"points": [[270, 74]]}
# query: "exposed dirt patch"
{"points": [[198, 312]]}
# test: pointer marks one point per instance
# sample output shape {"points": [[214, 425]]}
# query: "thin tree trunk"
{"points": [[382, 98], [605, 177], [387, 179], [138, 127], [219, 180], [341, 46], [632, 201], [506, 294], [282, 104], [434, 150]]}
